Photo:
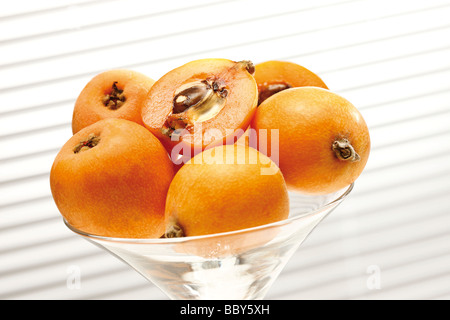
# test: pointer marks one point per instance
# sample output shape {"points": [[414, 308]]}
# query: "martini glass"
{"points": [[234, 265]]}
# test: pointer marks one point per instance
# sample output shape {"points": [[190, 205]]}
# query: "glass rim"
{"points": [[167, 241]]}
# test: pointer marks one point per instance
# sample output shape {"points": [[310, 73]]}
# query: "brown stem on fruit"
{"points": [[87, 144], [174, 231], [248, 65], [345, 151], [115, 99], [270, 89]]}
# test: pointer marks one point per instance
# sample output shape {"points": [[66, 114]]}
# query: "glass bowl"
{"points": [[235, 265]]}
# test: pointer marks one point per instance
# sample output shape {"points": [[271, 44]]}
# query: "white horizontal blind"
{"points": [[389, 58]]}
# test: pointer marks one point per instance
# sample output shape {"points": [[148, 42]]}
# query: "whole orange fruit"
{"points": [[274, 76], [111, 94], [111, 179], [319, 139], [225, 188]]}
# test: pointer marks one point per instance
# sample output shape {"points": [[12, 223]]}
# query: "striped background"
{"points": [[388, 57]]}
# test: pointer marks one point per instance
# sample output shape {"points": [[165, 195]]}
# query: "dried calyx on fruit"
{"points": [[174, 231], [199, 99], [345, 151], [114, 99], [87, 144]]}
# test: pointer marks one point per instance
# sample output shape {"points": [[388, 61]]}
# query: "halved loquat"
{"points": [[321, 143], [201, 104], [111, 94], [111, 179]]}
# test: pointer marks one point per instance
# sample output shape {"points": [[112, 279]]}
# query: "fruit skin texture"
{"points": [[90, 108], [240, 107], [278, 72], [309, 120], [118, 187], [216, 196]]}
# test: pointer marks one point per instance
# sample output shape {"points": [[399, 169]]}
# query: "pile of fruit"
{"points": [[212, 146]]}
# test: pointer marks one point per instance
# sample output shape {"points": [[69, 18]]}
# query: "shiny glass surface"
{"points": [[236, 265]]}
